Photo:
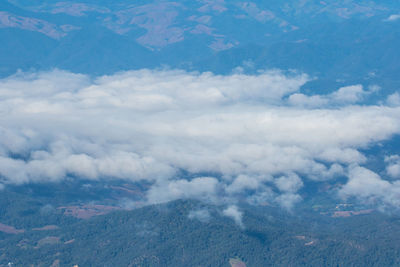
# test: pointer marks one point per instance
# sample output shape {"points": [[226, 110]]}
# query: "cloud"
{"points": [[245, 182], [203, 215], [393, 99], [349, 94], [203, 188], [364, 183], [154, 125], [393, 166], [290, 183], [299, 99], [347, 155], [235, 214], [393, 17], [288, 200], [370, 188], [343, 96], [262, 197], [61, 162]]}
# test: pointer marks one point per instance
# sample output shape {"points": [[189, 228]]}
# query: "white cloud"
{"points": [[308, 101], [393, 99], [150, 124], [57, 164], [343, 96], [393, 166], [393, 17], [234, 213], [394, 170], [203, 215], [243, 182], [347, 155], [364, 183], [203, 188], [349, 94], [262, 197], [374, 88], [369, 187], [290, 183], [288, 200]]}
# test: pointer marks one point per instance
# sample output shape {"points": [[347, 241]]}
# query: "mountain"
{"points": [[183, 233], [344, 40]]}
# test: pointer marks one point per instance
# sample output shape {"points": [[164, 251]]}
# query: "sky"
{"points": [[233, 136]]}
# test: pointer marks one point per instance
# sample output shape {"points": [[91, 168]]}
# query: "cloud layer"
{"points": [[252, 135]]}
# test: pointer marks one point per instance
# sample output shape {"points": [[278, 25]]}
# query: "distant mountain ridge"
{"points": [[333, 40]]}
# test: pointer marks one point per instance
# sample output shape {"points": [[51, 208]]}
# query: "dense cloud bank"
{"points": [[257, 135]]}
